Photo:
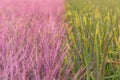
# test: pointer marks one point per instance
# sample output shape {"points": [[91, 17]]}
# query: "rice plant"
{"points": [[93, 34], [31, 40], [59, 40]]}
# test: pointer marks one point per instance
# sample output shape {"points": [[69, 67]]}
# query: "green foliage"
{"points": [[94, 37]]}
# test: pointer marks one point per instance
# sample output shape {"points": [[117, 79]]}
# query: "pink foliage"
{"points": [[31, 36]]}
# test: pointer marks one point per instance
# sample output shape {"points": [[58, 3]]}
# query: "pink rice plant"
{"points": [[31, 39]]}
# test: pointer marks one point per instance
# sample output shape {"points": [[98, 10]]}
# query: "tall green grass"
{"points": [[94, 37]]}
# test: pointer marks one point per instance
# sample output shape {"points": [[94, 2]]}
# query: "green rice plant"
{"points": [[94, 36]]}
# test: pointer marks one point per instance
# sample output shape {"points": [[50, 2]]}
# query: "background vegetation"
{"points": [[50, 40]]}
